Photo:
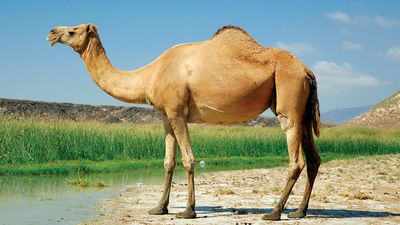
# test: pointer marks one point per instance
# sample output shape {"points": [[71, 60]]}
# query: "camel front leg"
{"points": [[169, 165], [179, 125]]}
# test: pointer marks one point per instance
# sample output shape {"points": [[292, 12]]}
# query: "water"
{"points": [[51, 200]]}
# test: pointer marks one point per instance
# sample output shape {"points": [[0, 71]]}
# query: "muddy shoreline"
{"points": [[356, 191]]}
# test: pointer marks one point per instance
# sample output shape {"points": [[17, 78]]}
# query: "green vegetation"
{"points": [[37, 147], [86, 166], [85, 182]]}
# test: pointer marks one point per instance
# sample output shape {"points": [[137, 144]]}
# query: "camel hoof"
{"points": [[272, 216], [298, 214], [158, 211], [187, 214]]}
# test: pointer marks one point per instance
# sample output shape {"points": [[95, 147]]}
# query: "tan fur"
{"points": [[228, 79]]}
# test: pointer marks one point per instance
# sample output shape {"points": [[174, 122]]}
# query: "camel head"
{"points": [[76, 37]]}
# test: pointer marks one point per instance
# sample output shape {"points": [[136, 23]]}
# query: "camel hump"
{"points": [[236, 37], [231, 28]]}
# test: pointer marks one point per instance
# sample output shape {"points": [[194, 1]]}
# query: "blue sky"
{"points": [[353, 47]]}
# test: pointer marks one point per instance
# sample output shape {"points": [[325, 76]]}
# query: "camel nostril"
{"points": [[53, 31]]}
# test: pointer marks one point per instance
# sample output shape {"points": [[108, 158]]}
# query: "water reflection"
{"points": [[51, 199]]}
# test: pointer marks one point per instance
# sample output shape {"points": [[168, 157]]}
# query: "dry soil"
{"points": [[356, 191]]}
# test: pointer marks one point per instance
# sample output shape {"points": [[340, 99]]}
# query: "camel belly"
{"points": [[227, 106], [212, 115]]}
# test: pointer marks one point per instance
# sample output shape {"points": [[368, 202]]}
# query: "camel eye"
{"points": [[71, 33]]}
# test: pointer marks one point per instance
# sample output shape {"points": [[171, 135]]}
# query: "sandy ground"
{"points": [[357, 191]]}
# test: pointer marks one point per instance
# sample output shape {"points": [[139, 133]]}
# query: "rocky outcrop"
{"points": [[23, 109], [76, 112], [386, 115]]}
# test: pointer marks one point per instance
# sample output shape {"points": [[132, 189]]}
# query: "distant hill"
{"points": [[76, 112], [385, 114], [24, 109], [339, 116]]}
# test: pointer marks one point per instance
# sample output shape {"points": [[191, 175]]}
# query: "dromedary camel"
{"points": [[227, 79]]}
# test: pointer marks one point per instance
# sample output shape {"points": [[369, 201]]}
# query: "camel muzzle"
{"points": [[53, 37]]}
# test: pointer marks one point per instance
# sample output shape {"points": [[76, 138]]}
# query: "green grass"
{"points": [[37, 147], [85, 182]]}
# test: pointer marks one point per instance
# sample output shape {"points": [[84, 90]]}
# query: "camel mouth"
{"points": [[53, 38]]}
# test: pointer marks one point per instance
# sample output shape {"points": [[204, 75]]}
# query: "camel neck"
{"points": [[127, 86]]}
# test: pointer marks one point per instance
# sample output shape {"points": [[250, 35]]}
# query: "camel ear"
{"points": [[91, 29]]}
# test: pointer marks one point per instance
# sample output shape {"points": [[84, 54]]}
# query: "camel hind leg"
{"points": [[292, 90], [313, 163], [294, 136]]}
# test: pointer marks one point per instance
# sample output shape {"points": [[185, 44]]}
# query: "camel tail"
{"points": [[312, 110]]}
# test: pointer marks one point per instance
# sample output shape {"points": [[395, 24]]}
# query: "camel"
{"points": [[227, 79]]}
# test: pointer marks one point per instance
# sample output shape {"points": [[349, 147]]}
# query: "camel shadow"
{"points": [[316, 213]]}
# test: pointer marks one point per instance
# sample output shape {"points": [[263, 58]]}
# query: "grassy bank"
{"points": [[86, 166], [63, 147], [108, 166]]}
